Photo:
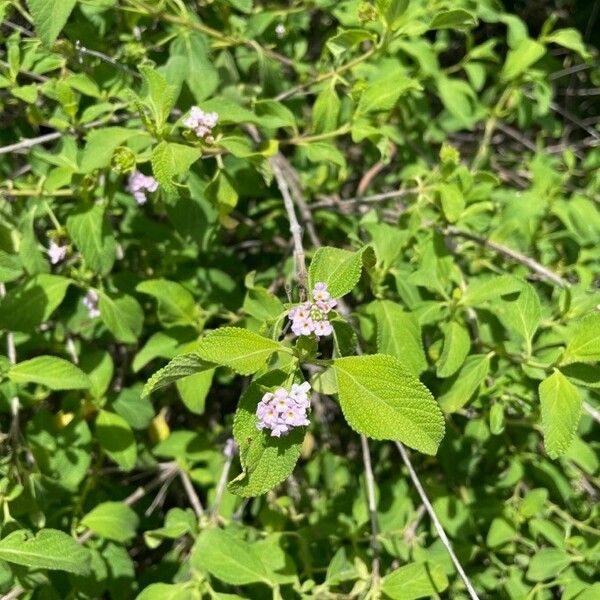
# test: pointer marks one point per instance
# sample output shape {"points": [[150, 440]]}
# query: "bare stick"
{"points": [[507, 252], [370, 480], [166, 473], [188, 486], [28, 143], [590, 410], [436, 521], [295, 229], [14, 593], [382, 197], [229, 453]]}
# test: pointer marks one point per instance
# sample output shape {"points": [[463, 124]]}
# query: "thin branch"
{"points": [[11, 353], [168, 471], [229, 453], [507, 252], [382, 197], [590, 410], [436, 521], [28, 143], [370, 481], [295, 229], [188, 486]]}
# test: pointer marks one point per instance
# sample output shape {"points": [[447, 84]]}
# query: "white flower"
{"points": [[56, 252]]}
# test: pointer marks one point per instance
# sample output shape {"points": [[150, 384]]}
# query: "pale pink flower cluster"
{"points": [[91, 303], [56, 252], [312, 316], [282, 410], [202, 123], [139, 184]]}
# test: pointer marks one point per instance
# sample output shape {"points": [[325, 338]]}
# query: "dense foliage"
{"points": [[291, 291]]}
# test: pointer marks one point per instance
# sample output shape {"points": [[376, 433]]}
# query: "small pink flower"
{"points": [[90, 301], [282, 410], [202, 123], [139, 184], [56, 253]]}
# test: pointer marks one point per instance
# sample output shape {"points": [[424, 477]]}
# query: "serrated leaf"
{"points": [[383, 400], [339, 269], [266, 461], [584, 344], [415, 580], [561, 409], [178, 368], [458, 390], [122, 315], [176, 306], [228, 558], [48, 549], [522, 314], [519, 59], [26, 306], [239, 349], [399, 334], [113, 521], [160, 96], [382, 94], [117, 439], [53, 372], [94, 237], [170, 160], [457, 343], [49, 17]]}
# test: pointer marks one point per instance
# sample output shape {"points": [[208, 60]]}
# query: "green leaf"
{"points": [[26, 306], [49, 17], [266, 461], [122, 315], [383, 400], [561, 409], [194, 389], [519, 59], [500, 532], [137, 411], [165, 591], [48, 549], [117, 439], [113, 521], [101, 144], [382, 94], [326, 110], [181, 366], [339, 269], [399, 334], [176, 306], [457, 343], [228, 558], [239, 349], [346, 40], [392, 11], [522, 314], [170, 160], [53, 372], [200, 74], [584, 344], [481, 291], [93, 235], [29, 251], [99, 367], [453, 201], [569, 38], [415, 580], [10, 267], [459, 389], [547, 563], [160, 96], [453, 19]]}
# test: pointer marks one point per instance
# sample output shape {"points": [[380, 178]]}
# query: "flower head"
{"points": [[282, 410], [280, 30], [313, 316], [56, 252], [90, 301], [139, 184], [202, 123]]}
